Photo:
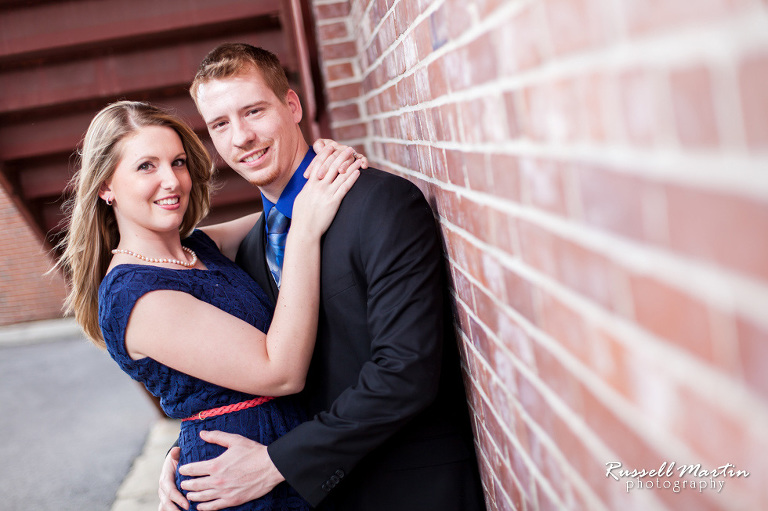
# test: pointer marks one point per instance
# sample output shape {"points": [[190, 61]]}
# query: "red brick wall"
{"points": [[600, 172], [26, 294]]}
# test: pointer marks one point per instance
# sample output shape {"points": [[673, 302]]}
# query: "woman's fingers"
{"points": [[337, 162], [344, 183], [362, 160], [315, 168]]}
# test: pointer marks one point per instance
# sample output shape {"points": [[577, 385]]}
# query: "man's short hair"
{"points": [[232, 59]]}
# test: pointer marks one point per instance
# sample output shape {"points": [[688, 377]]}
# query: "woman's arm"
{"points": [[229, 235], [331, 156], [182, 332]]}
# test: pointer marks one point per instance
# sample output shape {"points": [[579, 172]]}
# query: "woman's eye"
{"points": [[145, 166], [180, 162]]}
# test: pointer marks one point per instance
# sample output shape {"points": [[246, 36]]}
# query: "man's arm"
{"points": [[244, 472], [401, 261]]}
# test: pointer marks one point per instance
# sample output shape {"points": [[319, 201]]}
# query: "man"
{"points": [[390, 429]]}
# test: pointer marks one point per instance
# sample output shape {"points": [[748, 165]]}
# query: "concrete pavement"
{"points": [[138, 490]]}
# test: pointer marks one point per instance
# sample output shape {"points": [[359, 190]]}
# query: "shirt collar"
{"points": [[285, 202]]}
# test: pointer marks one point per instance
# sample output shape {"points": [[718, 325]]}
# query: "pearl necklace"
{"points": [[162, 261]]}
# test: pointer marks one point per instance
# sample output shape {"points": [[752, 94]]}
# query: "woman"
{"points": [[173, 310]]}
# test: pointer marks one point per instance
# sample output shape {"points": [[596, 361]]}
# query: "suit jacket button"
{"points": [[334, 480], [325, 487], [340, 473]]}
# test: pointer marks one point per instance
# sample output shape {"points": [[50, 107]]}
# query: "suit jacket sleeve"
{"points": [[400, 257]]}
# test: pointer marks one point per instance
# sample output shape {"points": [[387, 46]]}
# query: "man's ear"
{"points": [[292, 100]]}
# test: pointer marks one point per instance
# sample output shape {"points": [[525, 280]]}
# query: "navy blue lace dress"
{"points": [[229, 288]]}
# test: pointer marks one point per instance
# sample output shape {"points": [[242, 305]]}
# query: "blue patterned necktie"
{"points": [[277, 231]]}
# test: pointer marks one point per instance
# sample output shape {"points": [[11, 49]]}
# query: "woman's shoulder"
{"points": [[126, 283]]}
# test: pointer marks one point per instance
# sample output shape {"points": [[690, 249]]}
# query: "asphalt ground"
{"points": [[77, 433]]}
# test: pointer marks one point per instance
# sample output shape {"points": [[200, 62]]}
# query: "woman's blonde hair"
{"points": [[92, 232]]}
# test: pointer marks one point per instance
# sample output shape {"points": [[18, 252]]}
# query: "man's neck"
{"points": [[284, 202], [273, 193]]}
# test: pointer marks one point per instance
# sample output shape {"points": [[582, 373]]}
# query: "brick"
{"points": [[410, 52], [438, 166], [673, 315], [437, 78], [502, 227], [343, 92], [642, 109], [753, 352], [422, 35], [505, 175], [542, 186], [340, 71], [514, 128], [617, 435], [334, 10], [592, 92], [564, 325], [345, 113], [520, 297], [552, 112], [26, 294], [409, 91], [519, 43], [343, 50], [753, 75], [571, 25], [610, 359], [701, 420], [452, 123], [693, 105], [455, 165], [387, 34], [483, 120], [558, 379], [484, 346], [337, 30], [458, 17], [458, 76], [537, 248], [708, 225], [586, 272], [612, 201], [481, 59], [400, 18], [644, 16], [351, 132], [478, 173]]}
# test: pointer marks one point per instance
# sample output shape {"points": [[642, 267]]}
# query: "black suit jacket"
{"points": [[390, 428]]}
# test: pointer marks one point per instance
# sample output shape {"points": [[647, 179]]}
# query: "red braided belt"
{"points": [[213, 412]]}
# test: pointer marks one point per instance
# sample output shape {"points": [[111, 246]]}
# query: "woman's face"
{"points": [[151, 184]]}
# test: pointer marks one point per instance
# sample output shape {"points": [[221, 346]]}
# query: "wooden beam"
{"points": [[28, 136], [115, 75], [35, 28]]}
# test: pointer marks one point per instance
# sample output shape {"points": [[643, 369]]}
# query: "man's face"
{"points": [[255, 132]]}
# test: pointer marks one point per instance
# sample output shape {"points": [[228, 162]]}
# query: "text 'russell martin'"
{"points": [[668, 477]]}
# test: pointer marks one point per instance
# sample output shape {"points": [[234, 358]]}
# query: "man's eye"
{"points": [[254, 111], [218, 125]]}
